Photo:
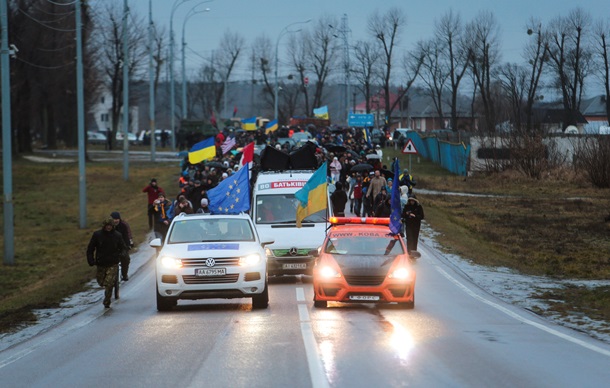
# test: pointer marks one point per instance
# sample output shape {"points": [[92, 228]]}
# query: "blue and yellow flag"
{"points": [[271, 126], [203, 150], [249, 124], [395, 215], [313, 196], [367, 137], [321, 112], [232, 195]]}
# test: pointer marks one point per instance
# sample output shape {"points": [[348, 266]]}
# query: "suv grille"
{"points": [[220, 261], [364, 280], [192, 279]]}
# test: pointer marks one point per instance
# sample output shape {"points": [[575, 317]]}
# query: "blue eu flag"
{"points": [[232, 195], [395, 224]]}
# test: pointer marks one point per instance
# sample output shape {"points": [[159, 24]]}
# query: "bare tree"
{"points": [[386, 29], [513, 80], [536, 56], [570, 59], [110, 44], [299, 57], [434, 73], [483, 49], [365, 64], [601, 49], [454, 53], [229, 50], [263, 55], [321, 49]]}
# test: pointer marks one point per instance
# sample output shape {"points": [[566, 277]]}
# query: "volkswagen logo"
{"points": [[210, 262], [293, 251]]}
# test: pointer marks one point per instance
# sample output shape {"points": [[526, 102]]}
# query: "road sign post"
{"points": [[409, 149]]}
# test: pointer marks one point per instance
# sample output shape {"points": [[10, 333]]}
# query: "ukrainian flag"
{"points": [[249, 124], [203, 150], [271, 126], [367, 137], [313, 196], [321, 112]]}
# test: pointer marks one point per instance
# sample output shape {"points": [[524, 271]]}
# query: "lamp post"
{"points": [[172, 93], [277, 44], [192, 12]]}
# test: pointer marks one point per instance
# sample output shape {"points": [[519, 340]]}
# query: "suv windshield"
{"points": [[364, 246], [210, 229]]}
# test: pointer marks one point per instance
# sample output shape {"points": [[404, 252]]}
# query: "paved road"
{"points": [[457, 335]]}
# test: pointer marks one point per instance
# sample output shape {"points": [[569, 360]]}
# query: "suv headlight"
{"points": [[171, 263], [252, 259], [401, 273], [328, 272]]}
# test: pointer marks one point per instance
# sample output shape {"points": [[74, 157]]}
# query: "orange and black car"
{"points": [[361, 261]]}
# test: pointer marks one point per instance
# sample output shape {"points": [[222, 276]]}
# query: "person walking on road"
{"points": [[338, 199], [412, 215], [153, 190], [123, 228], [105, 250], [162, 216]]}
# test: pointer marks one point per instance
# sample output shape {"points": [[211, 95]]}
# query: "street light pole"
{"points": [[192, 12], [7, 163], [171, 73], [277, 44]]}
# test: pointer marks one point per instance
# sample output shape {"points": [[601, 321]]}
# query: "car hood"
{"points": [[211, 249]]}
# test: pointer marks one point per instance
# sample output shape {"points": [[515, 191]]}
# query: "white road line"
{"points": [[300, 294], [316, 369], [523, 319]]}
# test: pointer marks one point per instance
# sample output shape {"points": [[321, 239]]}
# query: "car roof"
{"points": [[184, 216]]}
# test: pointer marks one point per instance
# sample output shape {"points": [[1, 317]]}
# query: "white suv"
{"points": [[211, 256]]}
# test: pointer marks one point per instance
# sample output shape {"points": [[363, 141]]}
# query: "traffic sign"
{"points": [[361, 120], [409, 148]]}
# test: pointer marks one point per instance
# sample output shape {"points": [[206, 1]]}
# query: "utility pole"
{"points": [[345, 31], [151, 84], [125, 94], [80, 107], [7, 164]]}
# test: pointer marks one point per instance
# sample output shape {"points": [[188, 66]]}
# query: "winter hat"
{"points": [[115, 215], [225, 175], [108, 221], [204, 202], [413, 197], [153, 180]]}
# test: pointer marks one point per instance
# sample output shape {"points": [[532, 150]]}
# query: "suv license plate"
{"points": [[210, 271], [364, 297], [294, 266]]}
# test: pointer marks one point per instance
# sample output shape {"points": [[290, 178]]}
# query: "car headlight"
{"points": [[170, 262], [401, 273], [250, 259], [329, 272]]}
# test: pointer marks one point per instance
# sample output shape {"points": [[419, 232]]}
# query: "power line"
{"points": [[43, 23], [45, 67]]}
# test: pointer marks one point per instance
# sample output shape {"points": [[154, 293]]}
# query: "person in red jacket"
{"points": [[153, 190]]}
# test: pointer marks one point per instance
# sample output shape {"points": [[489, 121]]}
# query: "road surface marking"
{"points": [[316, 369]]}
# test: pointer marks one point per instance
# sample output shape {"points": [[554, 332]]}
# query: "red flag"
{"points": [[213, 120], [234, 110], [247, 155]]}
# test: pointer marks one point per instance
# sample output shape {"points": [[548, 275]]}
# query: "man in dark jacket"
{"points": [[105, 250], [338, 199], [412, 215], [152, 190], [123, 228]]}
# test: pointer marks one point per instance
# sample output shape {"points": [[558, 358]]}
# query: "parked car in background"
{"points": [[94, 137], [133, 139]]}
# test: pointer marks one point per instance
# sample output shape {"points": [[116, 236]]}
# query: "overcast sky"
{"points": [[252, 18]]}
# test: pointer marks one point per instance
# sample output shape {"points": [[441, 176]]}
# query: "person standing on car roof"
{"points": [[105, 250], [412, 215], [123, 228], [153, 190]]}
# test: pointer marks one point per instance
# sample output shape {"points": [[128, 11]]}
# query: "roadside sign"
{"points": [[361, 120], [409, 148]]}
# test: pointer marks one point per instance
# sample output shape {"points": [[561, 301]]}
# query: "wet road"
{"points": [[456, 336]]}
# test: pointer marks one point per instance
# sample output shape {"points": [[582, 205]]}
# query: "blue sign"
{"points": [[361, 120]]}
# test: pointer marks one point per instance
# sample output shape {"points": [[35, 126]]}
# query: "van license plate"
{"points": [[294, 266], [364, 297], [210, 271]]}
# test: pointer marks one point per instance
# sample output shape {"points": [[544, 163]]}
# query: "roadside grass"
{"points": [[49, 247], [551, 227]]}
